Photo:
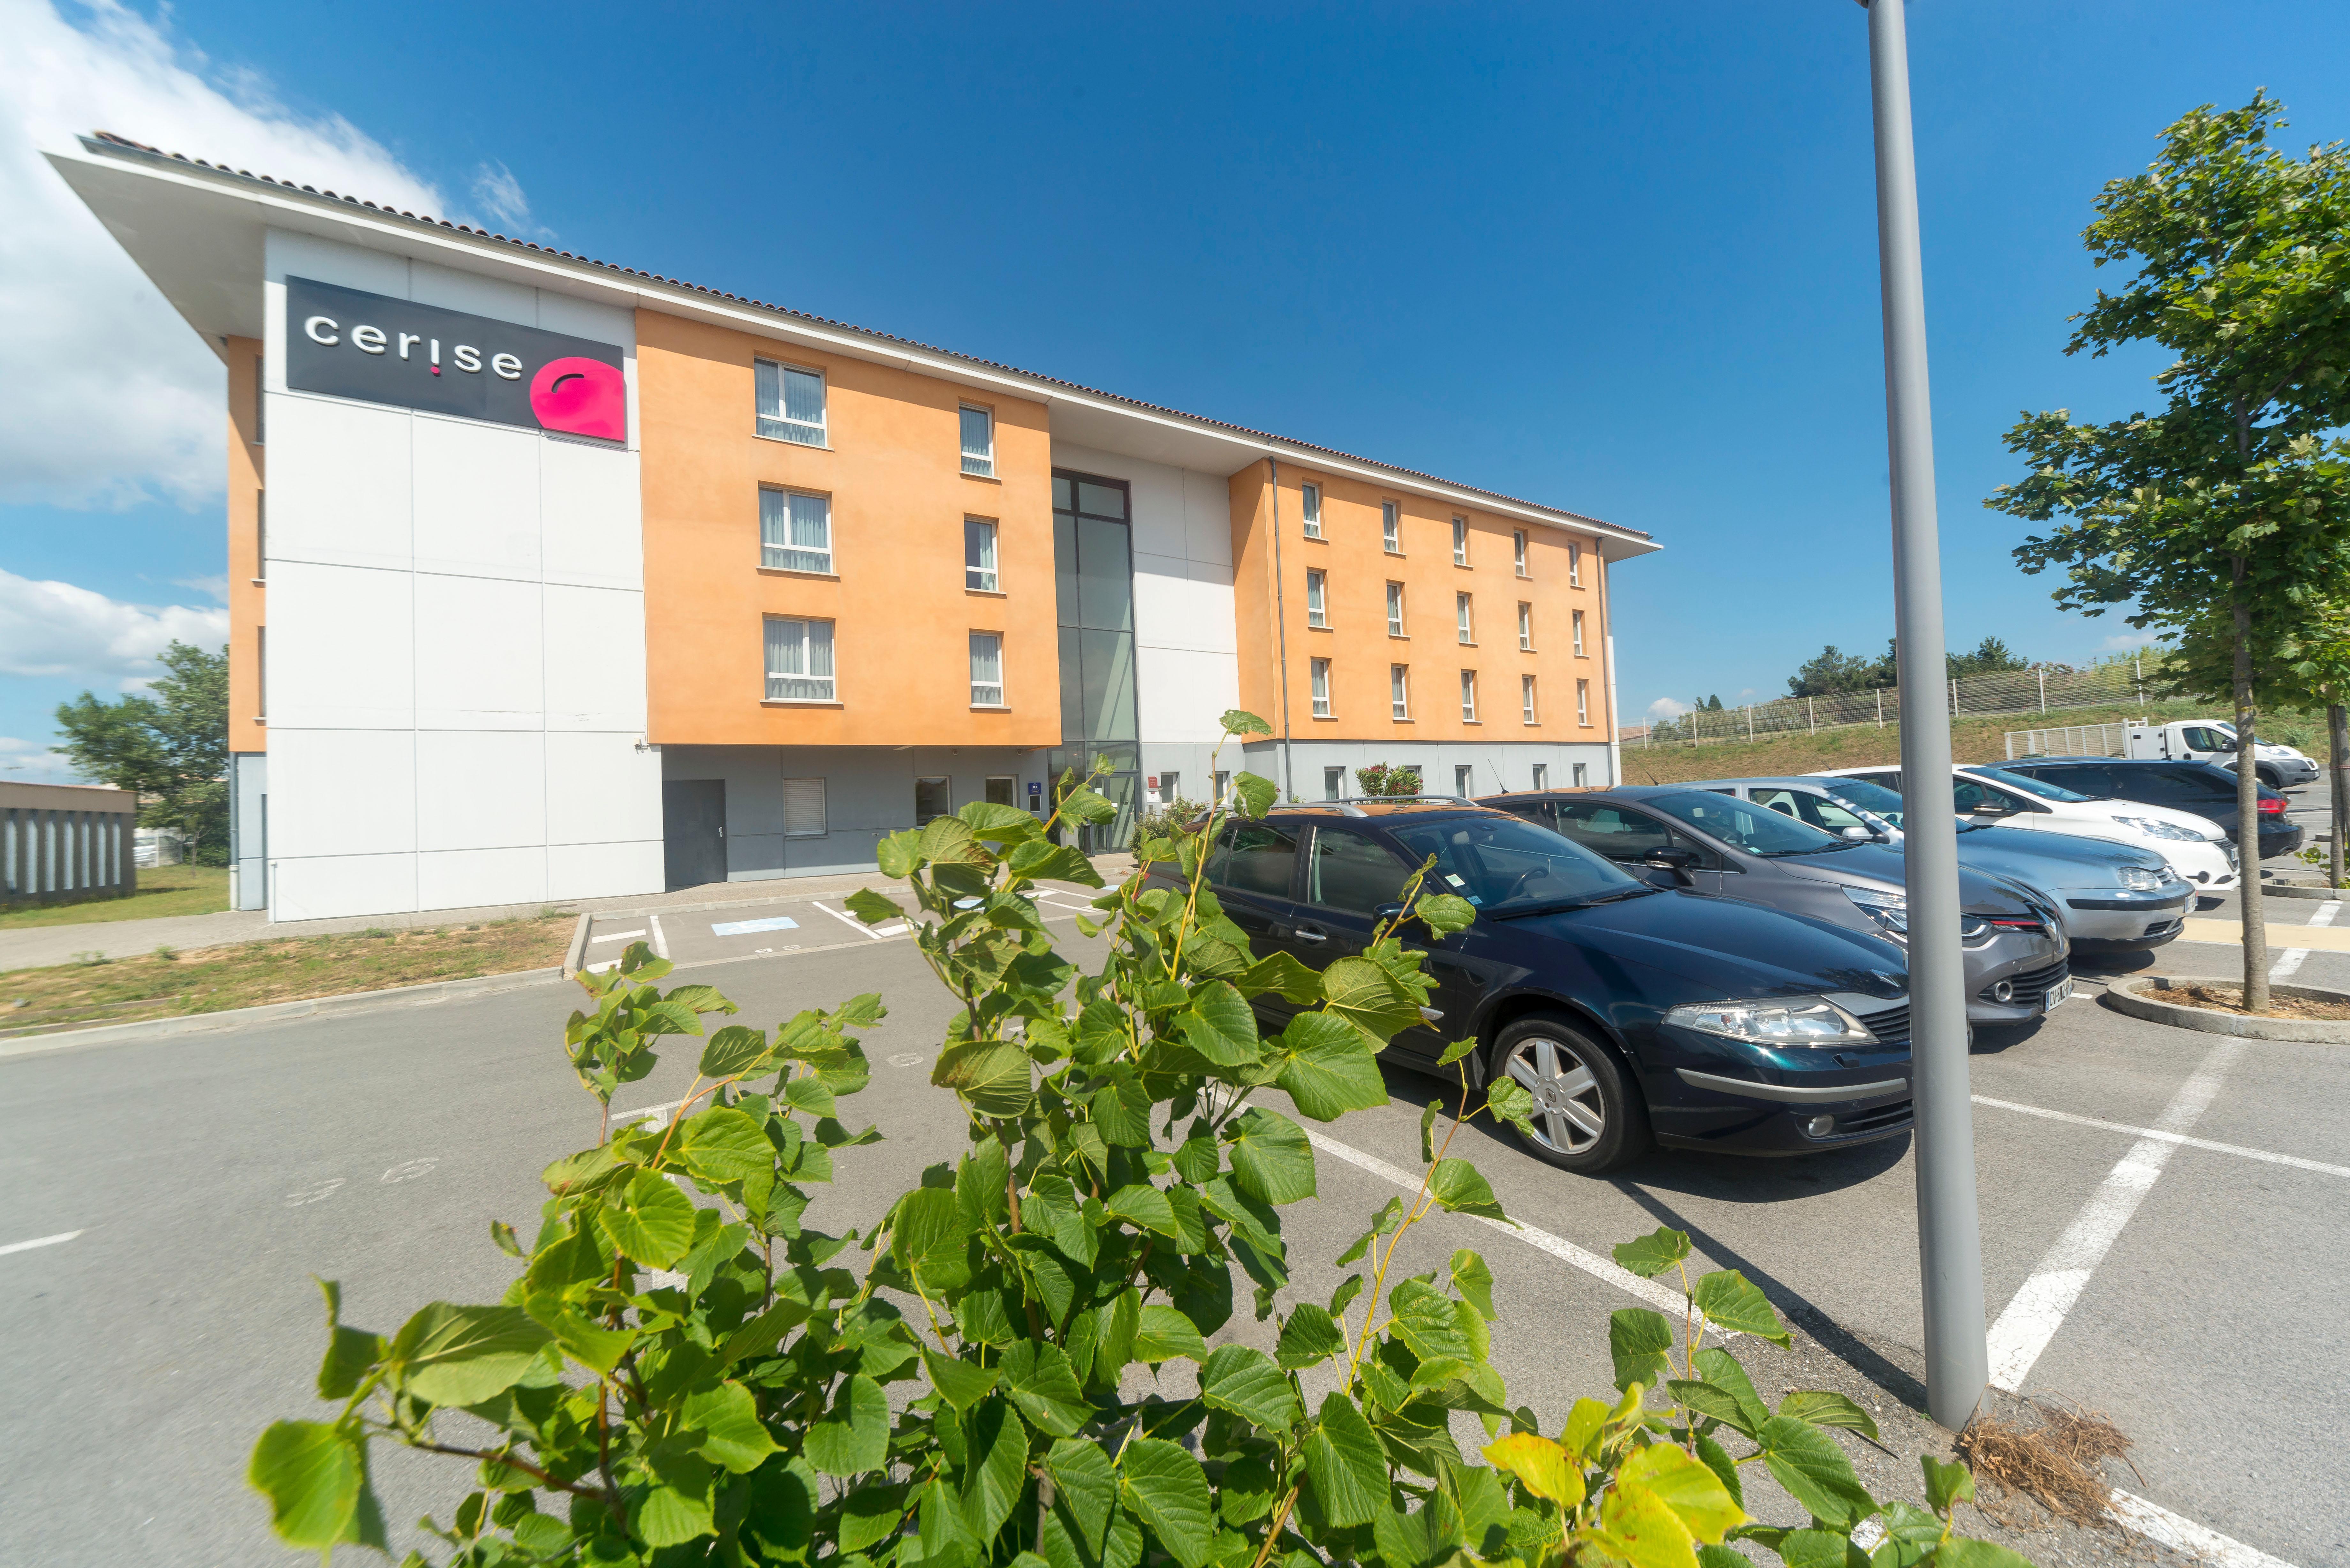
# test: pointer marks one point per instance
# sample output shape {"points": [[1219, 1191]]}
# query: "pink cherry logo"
{"points": [[583, 397]]}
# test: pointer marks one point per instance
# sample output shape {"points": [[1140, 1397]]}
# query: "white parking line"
{"points": [[2180, 1534], [40, 1241], [2038, 1311], [849, 920], [661, 941], [618, 936], [2180, 1138], [2289, 965]]}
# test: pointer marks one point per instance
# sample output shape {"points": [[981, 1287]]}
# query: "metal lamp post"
{"points": [[1949, 1238]]}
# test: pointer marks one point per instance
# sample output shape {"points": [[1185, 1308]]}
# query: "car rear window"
{"points": [[1743, 824], [1254, 857]]}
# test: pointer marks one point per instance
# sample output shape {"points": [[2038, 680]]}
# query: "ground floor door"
{"points": [[693, 831]]}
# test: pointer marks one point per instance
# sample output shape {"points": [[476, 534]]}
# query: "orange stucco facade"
{"points": [[1276, 627], [902, 615], [248, 606]]}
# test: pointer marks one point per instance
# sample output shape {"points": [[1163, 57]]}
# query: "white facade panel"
{"points": [[559, 312], [1184, 693], [330, 886], [479, 654], [589, 515], [604, 871], [339, 483], [479, 789], [595, 660], [476, 497], [341, 792], [340, 650], [600, 788], [1208, 520], [429, 283], [467, 878]]}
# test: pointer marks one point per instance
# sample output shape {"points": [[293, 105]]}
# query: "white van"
{"points": [[2195, 847], [2212, 741]]}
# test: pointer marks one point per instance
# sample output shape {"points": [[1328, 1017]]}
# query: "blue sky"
{"points": [[1619, 259]]}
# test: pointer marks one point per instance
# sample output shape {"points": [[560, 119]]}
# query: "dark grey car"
{"points": [[2018, 958]]}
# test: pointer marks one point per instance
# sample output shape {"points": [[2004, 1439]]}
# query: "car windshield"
{"points": [[1741, 825], [1507, 865], [2028, 784], [1862, 795]]}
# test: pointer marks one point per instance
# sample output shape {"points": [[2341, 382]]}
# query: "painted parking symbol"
{"points": [[409, 1170], [907, 1059], [317, 1194]]}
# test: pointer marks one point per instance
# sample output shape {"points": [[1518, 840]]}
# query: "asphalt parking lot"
{"points": [[2164, 1229]]}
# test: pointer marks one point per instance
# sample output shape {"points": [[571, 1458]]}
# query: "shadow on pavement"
{"points": [[1991, 1039]]}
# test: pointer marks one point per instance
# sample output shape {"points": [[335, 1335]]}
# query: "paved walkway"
{"points": [[37, 946]]}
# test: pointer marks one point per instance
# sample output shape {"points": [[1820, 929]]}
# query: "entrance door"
{"points": [[693, 832]]}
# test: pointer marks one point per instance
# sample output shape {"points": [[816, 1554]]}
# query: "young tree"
{"points": [[1990, 656], [2227, 501], [169, 744]]}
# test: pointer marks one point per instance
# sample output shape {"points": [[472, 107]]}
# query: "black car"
{"points": [[2206, 789], [1629, 1011]]}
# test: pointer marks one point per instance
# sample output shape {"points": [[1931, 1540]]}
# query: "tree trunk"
{"points": [[2248, 812], [2338, 736]]}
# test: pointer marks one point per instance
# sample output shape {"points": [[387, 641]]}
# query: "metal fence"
{"points": [[2042, 690], [2072, 741]]}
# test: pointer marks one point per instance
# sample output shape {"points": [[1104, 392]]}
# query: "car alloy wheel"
{"points": [[1588, 1116], [1570, 1115]]}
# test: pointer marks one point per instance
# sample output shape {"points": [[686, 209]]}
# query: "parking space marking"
{"points": [[854, 923], [661, 941], [2286, 967], [618, 936], [40, 1241], [2180, 1534], [745, 927], [2230, 934], [2038, 1309], [2179, 1138]]}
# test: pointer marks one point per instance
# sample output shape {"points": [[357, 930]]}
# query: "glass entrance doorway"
{"points": [[1093, 572]]}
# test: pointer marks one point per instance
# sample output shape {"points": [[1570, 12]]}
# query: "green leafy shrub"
{"points": [[673, 1382]]}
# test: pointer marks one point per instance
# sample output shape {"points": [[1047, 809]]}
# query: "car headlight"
{"points": [[1801, 1021], [1889, 913], [2139, 880], [2154, 829]]}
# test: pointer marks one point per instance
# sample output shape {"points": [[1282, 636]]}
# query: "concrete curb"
{"points": [[425, 995], [576, 953], [2134, 996], [2302, 890]]}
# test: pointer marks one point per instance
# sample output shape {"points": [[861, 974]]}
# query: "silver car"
{"points": [[2115, 898], [2018, 958]]}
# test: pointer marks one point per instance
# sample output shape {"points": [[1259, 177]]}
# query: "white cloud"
{"points": [[50, 628], [2123, 641], [1664, 710], [33, 761], [129, 400], [501, 196]]}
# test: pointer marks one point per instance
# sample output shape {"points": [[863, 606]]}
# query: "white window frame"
{"points": [[1317, 599], [1460, 541], [1526, 698], [1575, 566], [806, 646], [982, 578], [1464, 780], [1395, 609], [1581, 775], [977, 686], [1468, 696], [1391, 527], [1333, 783], [1309, 507], [1578, 632], [774, 557], [1013, 780], [1542, 776], [980, 465], [1526, 625], [1583, 703], [794, 825], [1399, 690], [1464, 620], [946, 779], [1318, 676], [1518, 549], [779, 426]]}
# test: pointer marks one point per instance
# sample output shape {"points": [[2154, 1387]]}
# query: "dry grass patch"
{"points": [[2230, 999], [165, 984], [2055, 1463]]}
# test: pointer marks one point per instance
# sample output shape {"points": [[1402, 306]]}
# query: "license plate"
{"points": [[2058, 995]]}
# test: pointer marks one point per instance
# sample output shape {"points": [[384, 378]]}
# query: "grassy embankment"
{"points": [[162, 891], [164, 984]]}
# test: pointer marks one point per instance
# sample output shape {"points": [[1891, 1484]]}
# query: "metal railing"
{"points": [[2072, 741], [2042, 690]]}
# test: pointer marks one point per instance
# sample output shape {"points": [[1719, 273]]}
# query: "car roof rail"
{"points": [[1342, 807], [1403, 800]]}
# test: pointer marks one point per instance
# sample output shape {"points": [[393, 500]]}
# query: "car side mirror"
{"points": [[1670, 859], [1988, 808], [1857, 834]]}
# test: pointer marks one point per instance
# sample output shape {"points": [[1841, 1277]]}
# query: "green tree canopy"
{"points": [[169, 743]]}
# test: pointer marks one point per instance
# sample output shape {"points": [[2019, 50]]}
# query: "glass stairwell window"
{"points": [[799, 660], [979, 556], [794, 532], [986, 669], [791, 403], [978, 441]]}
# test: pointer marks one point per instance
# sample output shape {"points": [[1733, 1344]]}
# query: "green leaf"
{"points": [[670, 1516], [1544, 1467], [870, 1515], [872, 907], [349, 1351], [1730, 1301], [1328, 1069], [992, 1485], [1815, 1472], [1004, 823], [1144, 1205], [853, 1437], [1042, 862], [1309, 1336], [1241, 722], [1197, 1160], [1721, 1369], [1456, 1185], [896, 854], [1346, 1465], [731, 1434], [1705, 1399], [1963, 1552], [1121, 1110], [1823, 1408], [1242, 1380], [1445, 913], [1166, 1490], [1689, 1487], [1042, 1382], [1817, 1549], [737, 1048], [1221, 1027], [1458, 1049], [1281, 973], [1164, 1335], [1474, 1280], [1272, 1160], [1423, 1540], [805, 1091], [992, 1076], [459, 1355], [1088, 1491], [1653, 1253], [1089, 806], [1641, 1527], [1423, 1319], [1946, 1484], [585, 1342], [1511, 1102], [652, 1223], [1640, 1341], [1253, 796], [960, 1383], [314, 1476], [1366, 996], [723, 1144], [1716, 1457], [1427, 1131], [930, 1237]]}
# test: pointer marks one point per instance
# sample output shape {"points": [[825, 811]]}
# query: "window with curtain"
{"points": [[1469, 695], [986, 669], [1581, 775], [1464, 780], [1309, 504], [1461, 611], [1583, 701], [1575, 566], [1400, 689], [1578, 631], [1395, 609], [1460, 541], [1526, 626], [1390, 528], [794, 532], [1333, 783], [979, 555], [978, 441], [1518, 549], [799, 660], [1526, 695], [1316, 612], [1321, 688], [791, 402], [1542, 776], [804, 808]]}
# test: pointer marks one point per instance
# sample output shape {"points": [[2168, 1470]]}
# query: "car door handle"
{"points": [[1312, 934]]}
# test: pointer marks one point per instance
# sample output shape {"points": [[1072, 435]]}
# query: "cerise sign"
{"points": [[352, 344]]}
